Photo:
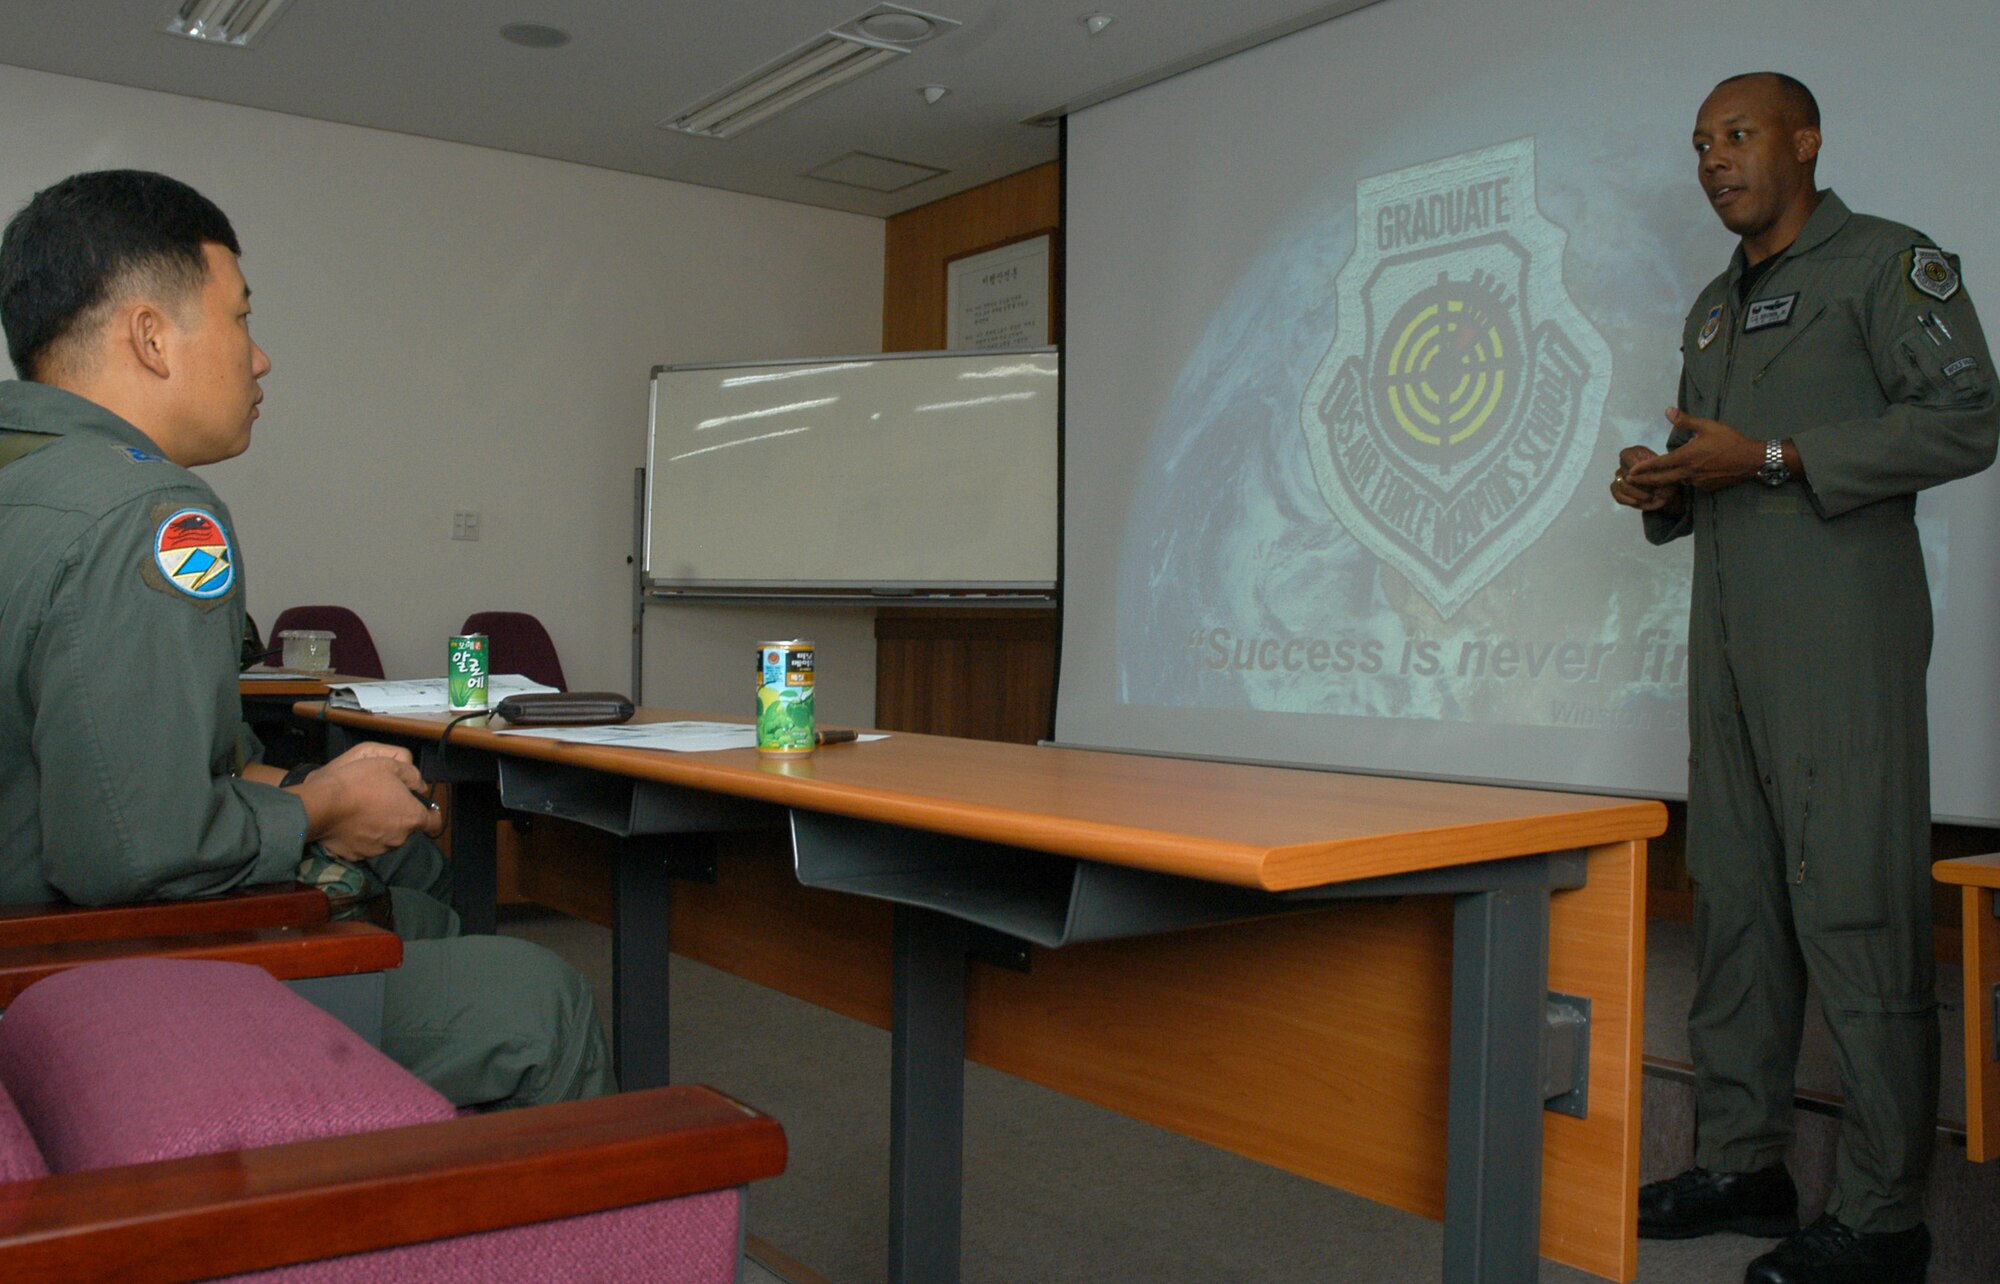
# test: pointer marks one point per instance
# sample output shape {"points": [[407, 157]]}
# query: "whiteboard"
{"points": [[912, 472]]}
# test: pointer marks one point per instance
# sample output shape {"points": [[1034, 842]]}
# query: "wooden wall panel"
{"points": [[920, 241], [984, 675], [988, 675]]}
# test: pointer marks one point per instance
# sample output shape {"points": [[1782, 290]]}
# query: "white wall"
{"points": [[457, 328]]}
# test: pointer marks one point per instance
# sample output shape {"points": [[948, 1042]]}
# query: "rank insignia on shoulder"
{"points": [[192, 552], [139, 456], [1765, 313], [1710, 327], [1932, 272]]}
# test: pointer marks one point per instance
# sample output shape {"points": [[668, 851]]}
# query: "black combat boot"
{"points": [[1829, 1252], [1700, 1202]]}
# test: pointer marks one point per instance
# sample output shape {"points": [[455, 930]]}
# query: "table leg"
{"points": [[926, 1098], [641, 900], [475, 813], [1493, 1163]]}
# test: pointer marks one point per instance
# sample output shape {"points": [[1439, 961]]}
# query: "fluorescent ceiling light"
{"points": [[833, 58], [237, 23]]}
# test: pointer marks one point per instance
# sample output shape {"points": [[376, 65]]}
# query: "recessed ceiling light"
{"points": [[1094, 23], [236, 23], [934, 93], [534, 35], [835, 57]]}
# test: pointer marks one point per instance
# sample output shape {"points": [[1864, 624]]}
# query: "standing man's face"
{"points": [[1754, 158], [220, 362]]}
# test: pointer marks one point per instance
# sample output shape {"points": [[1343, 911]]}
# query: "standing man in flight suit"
{"points": [[1835, 369], [122, 771]]}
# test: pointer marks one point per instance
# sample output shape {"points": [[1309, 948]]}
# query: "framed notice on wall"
{"points": [[1000, 297]]}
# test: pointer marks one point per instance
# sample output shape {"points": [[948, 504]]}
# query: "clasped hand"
{"points": [[367, 801], [1712, 456]]}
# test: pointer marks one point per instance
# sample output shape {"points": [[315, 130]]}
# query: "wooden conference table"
{"points": [[1391, 1043]]}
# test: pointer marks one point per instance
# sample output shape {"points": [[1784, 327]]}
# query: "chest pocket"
{"points": [[1798, 345]]}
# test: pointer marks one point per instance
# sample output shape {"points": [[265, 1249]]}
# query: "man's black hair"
{"points": [[1791, 91], [75, 243]]}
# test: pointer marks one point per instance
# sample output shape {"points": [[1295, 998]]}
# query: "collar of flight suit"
{"points": [[43, 408], [1829, 217]]}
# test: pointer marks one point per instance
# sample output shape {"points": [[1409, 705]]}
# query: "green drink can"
{"points": [[785, 699], [467, 659]]}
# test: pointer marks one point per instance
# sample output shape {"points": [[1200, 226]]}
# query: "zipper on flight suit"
{"points": [[1728, 349], [1805, 815], [1721, 398]]}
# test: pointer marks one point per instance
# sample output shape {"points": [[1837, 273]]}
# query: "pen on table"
{"points": [[837, 736]]}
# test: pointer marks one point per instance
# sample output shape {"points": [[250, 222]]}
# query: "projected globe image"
{"points": [[1242, 588]]}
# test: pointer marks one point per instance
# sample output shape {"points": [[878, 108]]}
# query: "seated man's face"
{"points": [[220, 364]]}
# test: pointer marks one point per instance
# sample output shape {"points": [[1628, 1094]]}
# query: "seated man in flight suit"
{"points": [[123, 771]]}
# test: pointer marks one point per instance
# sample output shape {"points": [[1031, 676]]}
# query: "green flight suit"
{"points": [[1809, 635], [121, 619]]}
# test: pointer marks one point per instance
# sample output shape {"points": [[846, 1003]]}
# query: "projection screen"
{"points": [[1283, 543]]}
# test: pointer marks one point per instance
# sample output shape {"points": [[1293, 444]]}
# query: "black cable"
{"points": [[445, 735]]}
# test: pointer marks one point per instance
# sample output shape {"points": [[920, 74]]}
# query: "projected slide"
{"points": [[1416, 564], [1344, 401]]}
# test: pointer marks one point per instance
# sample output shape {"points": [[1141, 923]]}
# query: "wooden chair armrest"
{"points": [[255, 1209], [269, 905], [1969, 871], [288, 953]]}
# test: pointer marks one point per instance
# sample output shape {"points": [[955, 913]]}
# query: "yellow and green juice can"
{"points": [[467, 661], [785, 699]]}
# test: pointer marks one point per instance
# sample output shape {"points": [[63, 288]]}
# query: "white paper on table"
{"points": [[423, 695], [678, 737]]}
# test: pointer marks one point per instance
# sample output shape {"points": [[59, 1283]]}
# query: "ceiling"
{"points": [[439, 69]]}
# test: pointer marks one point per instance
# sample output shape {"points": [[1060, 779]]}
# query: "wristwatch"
{"points": [[1774, 472]]}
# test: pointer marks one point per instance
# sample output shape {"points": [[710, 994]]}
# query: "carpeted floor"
{"points": [[1057, 1190]]}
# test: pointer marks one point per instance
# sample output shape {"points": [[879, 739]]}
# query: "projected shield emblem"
{"points": [[1451, 418]]}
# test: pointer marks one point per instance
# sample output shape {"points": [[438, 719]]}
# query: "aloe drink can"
{"points": [[785, 699], [466, 661]]}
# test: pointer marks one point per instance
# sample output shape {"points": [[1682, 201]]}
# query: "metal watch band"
{"points": [[1774, 472]]}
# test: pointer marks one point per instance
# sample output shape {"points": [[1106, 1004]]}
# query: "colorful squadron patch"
{"points": [[1931, 271], [192, 551], [1710, 327], [1451, 418]]}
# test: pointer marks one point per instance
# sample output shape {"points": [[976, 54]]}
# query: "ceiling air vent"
{"points": [[237, 23], [883, 34], [875, 173]]}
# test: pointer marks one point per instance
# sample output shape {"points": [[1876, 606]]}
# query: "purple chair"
{"points": [[174, 1120], [519, 644], [353, 649]]}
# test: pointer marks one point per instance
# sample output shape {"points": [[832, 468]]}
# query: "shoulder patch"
{"points": [[139, 456], [192, 553], [1710, 327], [1932, 271]]}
